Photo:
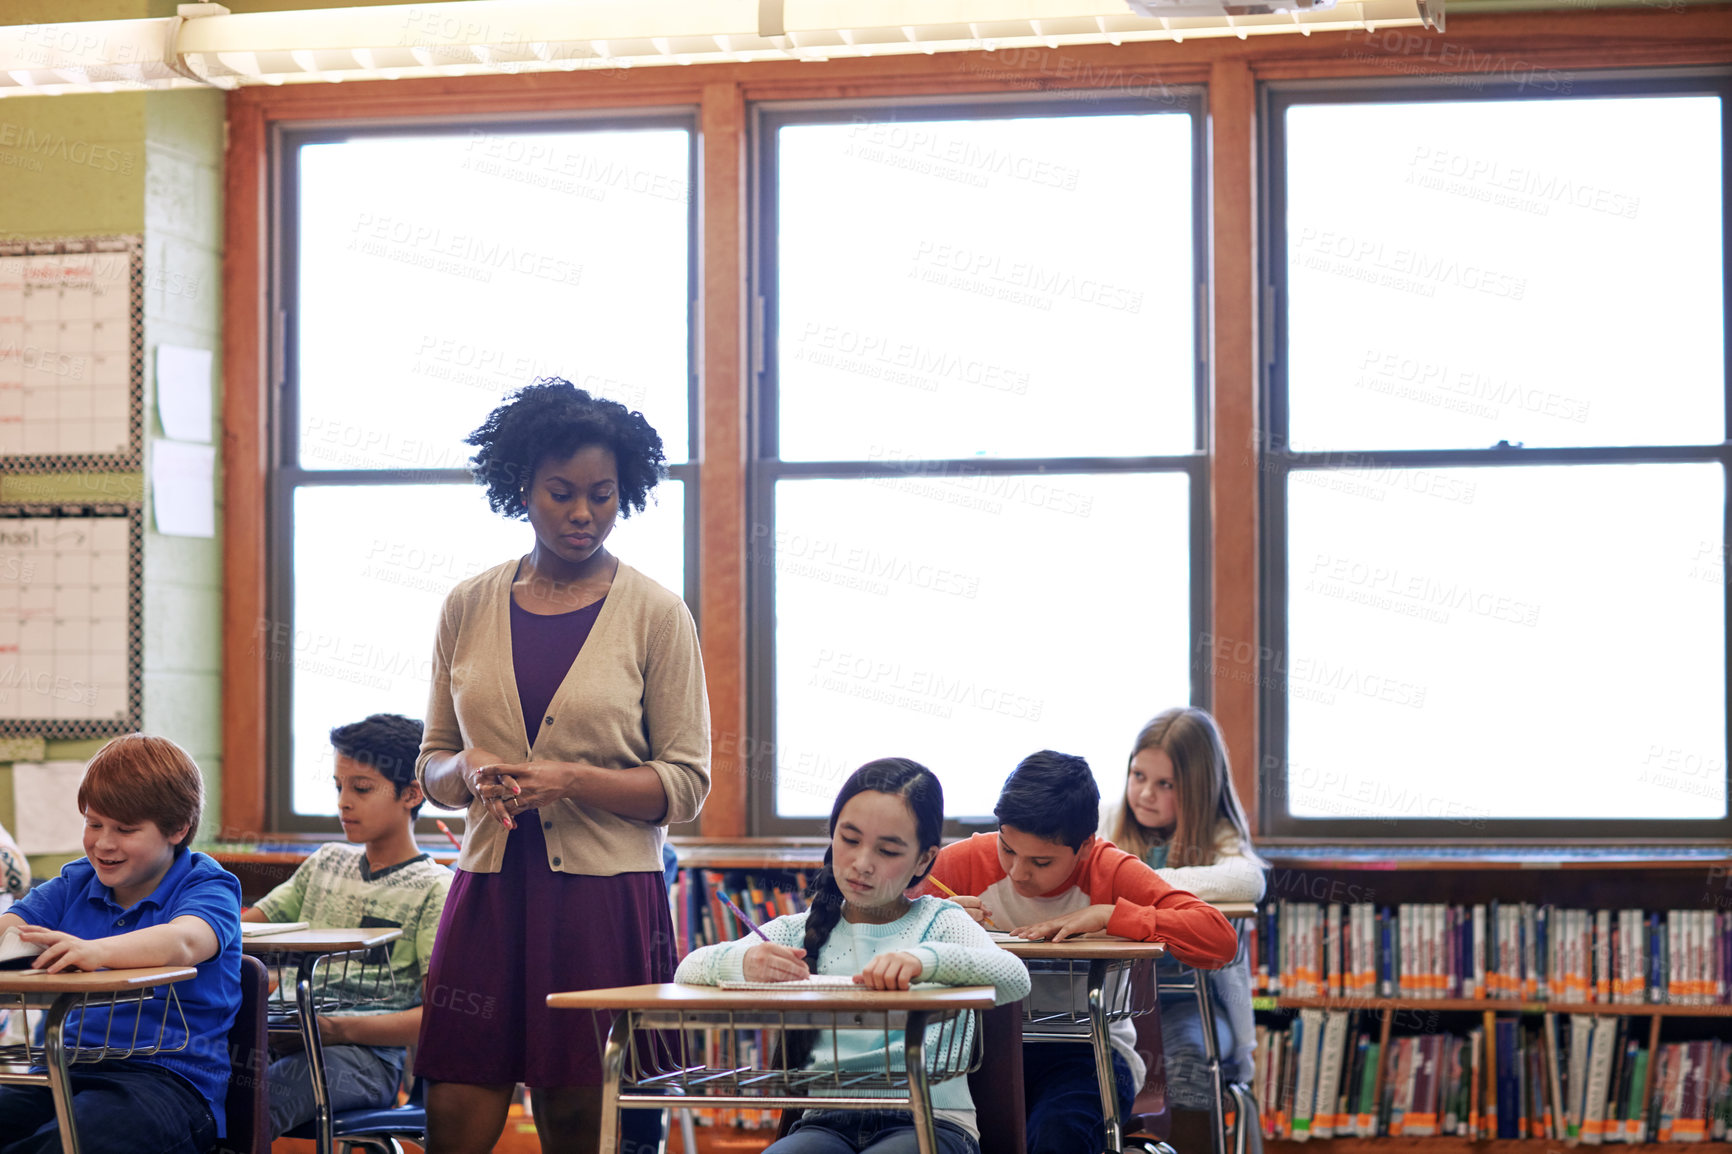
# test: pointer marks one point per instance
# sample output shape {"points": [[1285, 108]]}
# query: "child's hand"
{"points": [[976, 908], [1085, 921], [889, 972], [768, 962], [333, 1031], [62, 951]]}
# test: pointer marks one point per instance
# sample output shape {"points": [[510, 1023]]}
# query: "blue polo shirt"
{"points": [[77, 904]]}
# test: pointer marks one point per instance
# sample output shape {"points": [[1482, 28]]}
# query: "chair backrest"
{"points": [[996, 1087], [1149, 1109], [248, 1102]]}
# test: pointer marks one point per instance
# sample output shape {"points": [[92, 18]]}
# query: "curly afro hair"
{"points": [[555, 418]]}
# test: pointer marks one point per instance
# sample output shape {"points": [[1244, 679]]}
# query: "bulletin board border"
{"points": [[59, 729], [132, 460]]}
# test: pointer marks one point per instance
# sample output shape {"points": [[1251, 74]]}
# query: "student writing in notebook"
{"points": [[1045, 875], [379, 878], [884, 833], [1181, 815]]}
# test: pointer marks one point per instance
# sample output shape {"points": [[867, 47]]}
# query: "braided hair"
{"points": [[920, 789]]}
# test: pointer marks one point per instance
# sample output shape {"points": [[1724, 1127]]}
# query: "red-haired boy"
{"points": [[138, 897]]}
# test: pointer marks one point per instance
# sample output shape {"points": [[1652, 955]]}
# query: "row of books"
{"points": [[701, 918], [1589, 1082], [1515, 951]]}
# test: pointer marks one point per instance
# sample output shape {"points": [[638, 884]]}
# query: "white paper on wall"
{"points": [[45, 806]]}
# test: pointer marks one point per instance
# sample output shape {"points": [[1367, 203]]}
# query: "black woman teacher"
{"points": [[568, 715]]}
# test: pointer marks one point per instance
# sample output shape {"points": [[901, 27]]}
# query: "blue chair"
{"points": [[378, 1129]]}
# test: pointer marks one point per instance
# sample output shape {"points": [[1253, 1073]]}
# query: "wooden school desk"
{"points": [[65, 992], [312, 951], [631, 1077], [1111, 997]]}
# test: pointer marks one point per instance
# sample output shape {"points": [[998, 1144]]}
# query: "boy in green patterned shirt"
{"points": [[381, 878]]}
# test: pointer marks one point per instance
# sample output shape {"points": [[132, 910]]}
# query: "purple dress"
{"points": [[509, 939]]}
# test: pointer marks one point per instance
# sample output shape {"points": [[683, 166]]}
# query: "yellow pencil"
{"points": [[934, 880]]}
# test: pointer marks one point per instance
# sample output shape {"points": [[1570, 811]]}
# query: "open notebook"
{"points": [[265, 929], [832, 983]]}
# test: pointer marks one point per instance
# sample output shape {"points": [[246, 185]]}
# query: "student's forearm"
{"points": [[636, 793], [399, 1029], [253, 914], [173, 944]]}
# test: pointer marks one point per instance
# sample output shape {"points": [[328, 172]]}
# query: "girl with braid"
{"points": [[884, 831]]}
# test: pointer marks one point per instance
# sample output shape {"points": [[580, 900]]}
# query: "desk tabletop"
{"points": [[323, 941], [92, 981], [1087, 948], [1236, 909], [673, 996]]}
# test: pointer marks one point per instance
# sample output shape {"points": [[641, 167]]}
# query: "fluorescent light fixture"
{"points": [[206, 45]]}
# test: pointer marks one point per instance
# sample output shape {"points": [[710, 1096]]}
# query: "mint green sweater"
{"points": [[952, 949]]}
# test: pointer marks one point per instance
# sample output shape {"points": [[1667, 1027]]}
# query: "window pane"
{"points": [[440, 272], [967, 622], [1541, 642], [986, 288], [1541, 271], [368, 589]]}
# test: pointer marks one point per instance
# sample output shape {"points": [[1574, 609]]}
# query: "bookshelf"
{"points": [[1587, 876]]}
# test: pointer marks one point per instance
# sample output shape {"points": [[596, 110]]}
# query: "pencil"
{"points": [[446, 830], [933, 878], [741, 914]]}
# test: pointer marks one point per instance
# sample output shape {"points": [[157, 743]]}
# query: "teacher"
{"points": [[568, 715]]}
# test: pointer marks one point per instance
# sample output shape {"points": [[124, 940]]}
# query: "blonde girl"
{"points": [[1180, 814]]}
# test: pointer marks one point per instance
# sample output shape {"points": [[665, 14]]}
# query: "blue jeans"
{"points": [[358, 1077], [117, 1107], [857, 1131], [1188, 1084], [1064, 1097]]}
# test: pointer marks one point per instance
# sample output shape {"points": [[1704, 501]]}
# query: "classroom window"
{"points": [[424, 272], [979, 499], [1496, 453]]}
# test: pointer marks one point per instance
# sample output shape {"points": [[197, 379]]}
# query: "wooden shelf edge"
{"points": [[1493, 1146], [1481, 1005]]}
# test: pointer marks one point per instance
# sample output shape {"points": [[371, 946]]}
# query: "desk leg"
{"points": [[315, 1055], [1103, 1048], [612, 1069], [1211, 1047], [919, 1100], [59, 1078]]}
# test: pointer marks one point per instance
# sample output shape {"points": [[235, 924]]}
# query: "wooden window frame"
{"points": [[1491, 45]]}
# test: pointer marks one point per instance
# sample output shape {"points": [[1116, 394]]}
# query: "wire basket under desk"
{"points": [[100, 1027], [734, 1058], [1058, 1007], [346, 982]]}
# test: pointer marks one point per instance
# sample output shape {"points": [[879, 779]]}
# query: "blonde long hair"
{"points": [[1204, 781]]}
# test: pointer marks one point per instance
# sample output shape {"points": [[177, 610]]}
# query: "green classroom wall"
{"points": [[148, 164]]}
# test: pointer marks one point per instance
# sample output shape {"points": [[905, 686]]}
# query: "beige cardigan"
{"points": [[634, 696]]}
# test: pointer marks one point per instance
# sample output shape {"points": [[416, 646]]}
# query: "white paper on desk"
{"points": [[183, 488], [45, 806], [183, 392]]}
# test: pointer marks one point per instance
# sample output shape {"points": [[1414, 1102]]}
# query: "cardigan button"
{"points": [[546, 825], [550, 721], [556, 863]]}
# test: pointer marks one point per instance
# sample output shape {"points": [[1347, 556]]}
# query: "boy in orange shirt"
{"points": [[1045, 874]]}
